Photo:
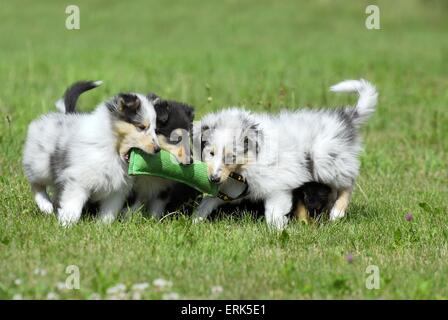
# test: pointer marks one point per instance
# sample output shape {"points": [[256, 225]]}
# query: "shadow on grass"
{"points": [[358, 211], [246, 210]]}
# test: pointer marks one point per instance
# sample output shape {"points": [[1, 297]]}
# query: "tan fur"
{"points": [[231, 167], [128, 136], [178, 150], [343, 199], [301, 212], [226, 170]]}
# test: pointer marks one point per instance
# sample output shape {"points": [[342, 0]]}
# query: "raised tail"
{"points": [[67, 104], [368, 98]]}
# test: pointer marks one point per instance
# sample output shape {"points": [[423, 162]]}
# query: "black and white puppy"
{"points": [[82, 156], [279, 153], [174, 121], [174, 124]]}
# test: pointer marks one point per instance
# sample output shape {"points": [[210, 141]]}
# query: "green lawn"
{"points": [[263, 55]]}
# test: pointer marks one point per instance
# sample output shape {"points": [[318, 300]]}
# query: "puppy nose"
{"points": [[188, 161], [156, 149], [215, 178]]}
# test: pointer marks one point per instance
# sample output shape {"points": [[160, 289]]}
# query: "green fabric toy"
{"points": [[165, 165]]}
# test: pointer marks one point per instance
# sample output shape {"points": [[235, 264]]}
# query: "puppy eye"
{"points": [[141, 127], [212, 153], [176, 140]]}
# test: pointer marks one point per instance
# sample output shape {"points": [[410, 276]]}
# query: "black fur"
{"points": [[309, 164], [171, 115], [126, 106], [347, 116], [73, 92], [315, 197]]}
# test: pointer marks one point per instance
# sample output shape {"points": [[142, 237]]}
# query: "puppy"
{"points": [[83, 156], [173, 126], [311, 200], [279, 153]]}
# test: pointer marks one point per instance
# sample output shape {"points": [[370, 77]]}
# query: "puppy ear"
{"points": [[162, 111], [189, 111], [153, 98], [128, 102]]}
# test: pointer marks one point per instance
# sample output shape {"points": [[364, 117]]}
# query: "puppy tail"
{"points": [[67, 104], [368, 98]]}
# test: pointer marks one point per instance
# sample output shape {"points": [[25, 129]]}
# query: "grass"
{"points": [[262, 55]]}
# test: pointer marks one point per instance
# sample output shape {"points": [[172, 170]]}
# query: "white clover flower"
{"points": [[17, 296], [95, 296], [118, 296], [119, 288], [171, 296], [61, 286], [137, 295], [217, 289], [40, 272], [18, 282], [52, 296], [162, 283], [140, 286]]}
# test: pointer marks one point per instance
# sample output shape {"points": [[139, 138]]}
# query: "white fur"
{"points": [[147, 188], [295, 147], [368, 97], [76, 154], [60, 105]]}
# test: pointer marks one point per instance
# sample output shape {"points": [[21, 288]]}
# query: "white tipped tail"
{"points": [[67, 104], [368, 98], [60, 105]]}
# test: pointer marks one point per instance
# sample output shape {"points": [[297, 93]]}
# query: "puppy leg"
{"points": [[207, 205], [138, 204], [72, 199], [301, 212], [341, 204], [331, 199], [42, 199], [111, 206], [277, 206], [157, 207]]}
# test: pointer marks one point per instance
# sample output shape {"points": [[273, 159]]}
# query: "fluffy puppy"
{"points": [[174, 123], [173, 126], [279, 153], [82, 156]]}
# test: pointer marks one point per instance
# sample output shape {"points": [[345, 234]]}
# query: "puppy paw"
{"points": [[45, 207], [336, 214], [278, 223], [197, 220], [66, 220], [107, 218]]}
